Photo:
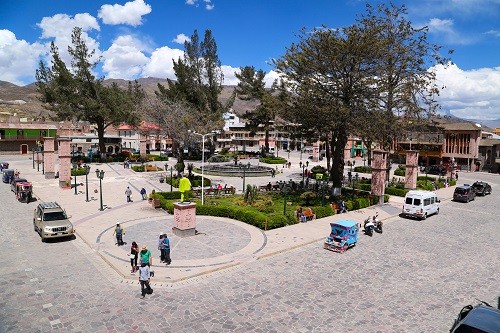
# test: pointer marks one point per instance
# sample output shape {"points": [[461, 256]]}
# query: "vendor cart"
{"points": [[344, 234]]}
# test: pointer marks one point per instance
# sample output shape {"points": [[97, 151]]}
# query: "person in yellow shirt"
{"points": [[184, 186]]}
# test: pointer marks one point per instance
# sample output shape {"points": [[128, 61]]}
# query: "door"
{"points": [[24, 149]]}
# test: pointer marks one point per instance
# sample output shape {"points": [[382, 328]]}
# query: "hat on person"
{"points": [[144, 247], [117, 223]]}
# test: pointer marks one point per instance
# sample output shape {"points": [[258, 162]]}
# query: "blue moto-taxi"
{"points": [[344, 234]]}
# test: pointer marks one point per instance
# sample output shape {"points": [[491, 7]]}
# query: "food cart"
{"points": [[344, 234]]}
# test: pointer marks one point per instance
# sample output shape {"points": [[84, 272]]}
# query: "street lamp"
{"points": [[303, 175], [203, 161], [285, 187], [33, 150], [244, 167], [75, 183], [100, 175], [87, 170]]}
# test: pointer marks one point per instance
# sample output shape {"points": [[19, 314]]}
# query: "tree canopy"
{"points": [[74, 93], [359, 80]]}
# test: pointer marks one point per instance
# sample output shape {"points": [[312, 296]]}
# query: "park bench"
{"points": [[308, 213]]}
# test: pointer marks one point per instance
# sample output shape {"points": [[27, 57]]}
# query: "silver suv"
{"points": [[51, 221]]}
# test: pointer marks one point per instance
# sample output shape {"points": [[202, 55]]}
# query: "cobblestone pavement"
{"points": [[413, 278]]}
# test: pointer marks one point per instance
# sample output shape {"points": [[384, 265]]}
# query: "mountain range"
{"points": [[22, 101]]}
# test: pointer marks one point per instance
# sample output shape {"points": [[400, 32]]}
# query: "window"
{"points": [[417, 202], [427, 202], [409, 201]]}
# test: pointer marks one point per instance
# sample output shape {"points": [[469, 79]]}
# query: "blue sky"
{"points": [[139, 38]]}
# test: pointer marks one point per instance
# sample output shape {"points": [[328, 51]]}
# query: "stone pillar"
{"points": [[315, 151], [379, 173], [48, 157], [411, 169], [184, 219], [64, 162], [142, 147]]}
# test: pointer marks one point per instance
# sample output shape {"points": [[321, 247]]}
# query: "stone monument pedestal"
{"points": [[184, 219]]}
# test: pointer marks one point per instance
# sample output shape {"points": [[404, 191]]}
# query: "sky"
{"points": [[139, 38]]}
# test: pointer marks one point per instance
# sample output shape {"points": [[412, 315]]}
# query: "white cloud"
{"points": [[209, 5], [124, 59], [494, 33], [131, 13], [471, 94], [270, 77], [18, 58], [60, 24], [445, 30], [181, 38], [229, 77], [60, 27], [191, 2], [160, 64]]}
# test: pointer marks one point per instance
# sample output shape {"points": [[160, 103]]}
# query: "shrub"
{"points": [[323, 211], [400, 172], [396, 191], [78, 172], [138, 168], [219, 158], [273, 160], [363, 169], [364, 187], [307, 197]]}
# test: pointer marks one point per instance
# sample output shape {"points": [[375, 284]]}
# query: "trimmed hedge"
{"points": [[396, 191], [363, 169], [273, 160], [78, 172]]}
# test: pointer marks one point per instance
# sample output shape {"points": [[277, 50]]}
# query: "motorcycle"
{"points": [[377, 224], [369, 227], [372, 224]]}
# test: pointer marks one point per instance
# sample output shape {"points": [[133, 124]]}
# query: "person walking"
{"points": [[144, 276], [146, 257], [161, 248], [119, 232], [134, 253], [166, 249], [143, 193], [128, 193]]}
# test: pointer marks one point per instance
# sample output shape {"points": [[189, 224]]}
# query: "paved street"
{"points": [[413, 278]]}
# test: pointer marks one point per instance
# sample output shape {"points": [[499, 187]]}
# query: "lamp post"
{"points": [[244, 167], [43, 162], [33, 150], [100, 175], [303, 174], [87, 170], [75, 186], [203, 161]]}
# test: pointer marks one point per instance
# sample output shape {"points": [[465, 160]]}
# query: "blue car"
{"points": [[344, 234]]}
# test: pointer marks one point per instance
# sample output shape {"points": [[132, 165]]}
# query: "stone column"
{"points": [[142, 147], [184, 219], [48, 157], [315, 151], [411, 169], [379, 173], [64, 162]]}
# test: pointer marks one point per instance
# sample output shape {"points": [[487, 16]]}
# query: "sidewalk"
{"points": [[221, 243]]}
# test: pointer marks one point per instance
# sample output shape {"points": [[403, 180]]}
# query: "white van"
{"points": [[420, 204]]}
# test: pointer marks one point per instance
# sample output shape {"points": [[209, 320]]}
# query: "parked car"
{"points": [[464, 193], [481, 188], [14, 181], [420, 204], [7, 175], [480, 319], [51, 221]]}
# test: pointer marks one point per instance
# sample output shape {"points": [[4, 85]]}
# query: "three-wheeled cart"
{"points": [[343, 235]]}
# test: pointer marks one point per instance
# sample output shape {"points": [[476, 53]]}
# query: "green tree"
{"points": [[406, 89], [197, 86], [75, 94], [251, 87]]}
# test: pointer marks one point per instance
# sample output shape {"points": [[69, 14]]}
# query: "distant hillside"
{"points": [[22, 101]]}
